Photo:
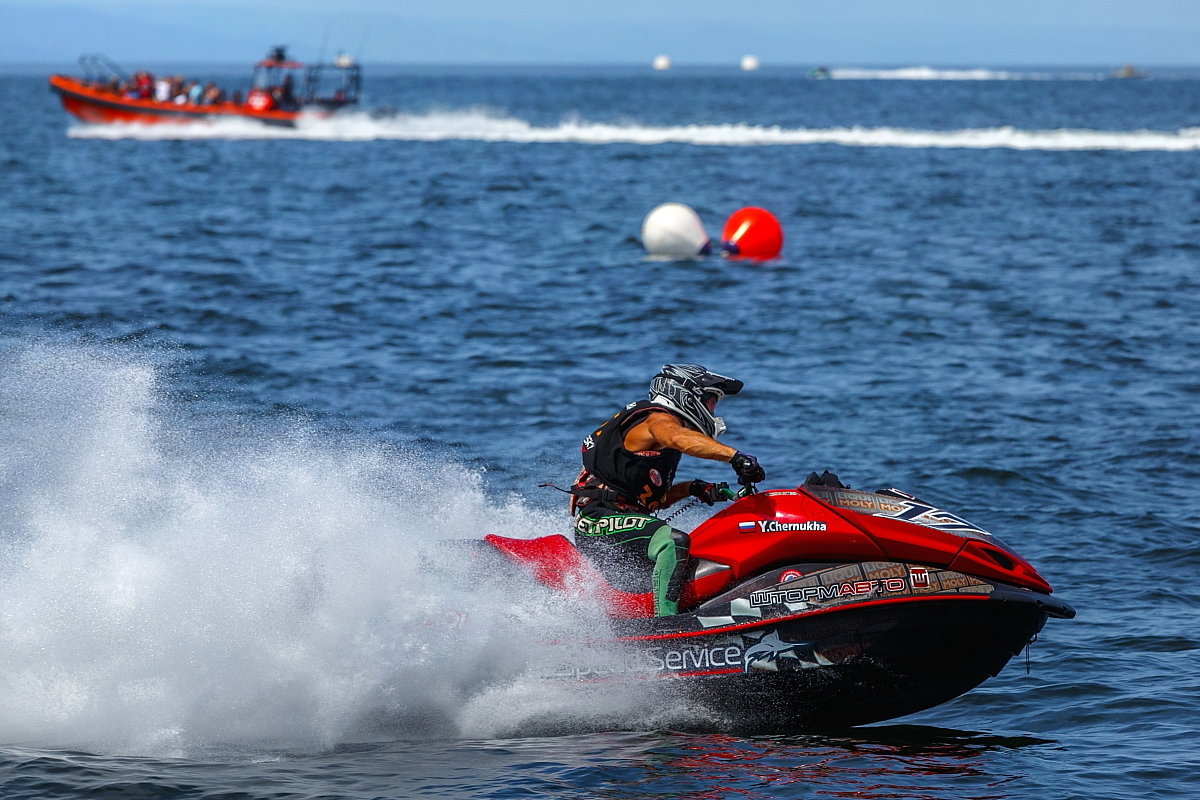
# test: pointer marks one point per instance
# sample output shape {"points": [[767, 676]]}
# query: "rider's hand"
{"points": [[747, 468], [710, 493]]}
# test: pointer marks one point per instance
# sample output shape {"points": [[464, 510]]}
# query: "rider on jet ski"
{"points": [[628, 473]]}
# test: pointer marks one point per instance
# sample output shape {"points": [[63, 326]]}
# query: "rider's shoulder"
{"points": [[662, 415]]}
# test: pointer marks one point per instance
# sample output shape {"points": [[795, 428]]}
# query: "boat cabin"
{"points": [[325, 86]]}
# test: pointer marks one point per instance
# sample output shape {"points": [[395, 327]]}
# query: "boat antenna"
{"points": [[362, 45], [324, 41]]}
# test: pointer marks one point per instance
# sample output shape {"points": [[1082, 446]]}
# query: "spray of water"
{"points": [[924, 73], [486, 126], [166, 591]]}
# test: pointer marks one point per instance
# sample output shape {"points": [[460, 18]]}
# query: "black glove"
{"points": [[747, 468], [710, 493]]}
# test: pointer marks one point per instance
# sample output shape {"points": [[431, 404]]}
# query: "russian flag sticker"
{"points": [[746, 526]]}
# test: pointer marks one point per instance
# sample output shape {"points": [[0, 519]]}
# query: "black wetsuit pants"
{"points": [[625, 545]]}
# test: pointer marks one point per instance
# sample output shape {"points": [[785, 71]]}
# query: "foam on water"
{"points": [[922, 73], [163, 591], [484, 126]]}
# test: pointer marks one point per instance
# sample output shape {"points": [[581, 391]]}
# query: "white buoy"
{"points": [[674, 230], [661, 62], [749, 63]]}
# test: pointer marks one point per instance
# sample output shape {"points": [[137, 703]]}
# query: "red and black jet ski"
{"points": [[819, 606]]}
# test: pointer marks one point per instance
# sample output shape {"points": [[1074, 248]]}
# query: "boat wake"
{"points": [[484, 126], [933, 74], [165, 591]]}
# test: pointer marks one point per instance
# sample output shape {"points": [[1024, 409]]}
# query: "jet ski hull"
{"points": [[856, 666], [768, 660]]}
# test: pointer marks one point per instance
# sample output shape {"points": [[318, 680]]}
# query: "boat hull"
{"points": [[98, 106]]}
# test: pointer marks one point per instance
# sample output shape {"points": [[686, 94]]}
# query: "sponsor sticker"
{"points": [[918, 577], [602, 526], [723, 656], [775, 526], [820, 594]]}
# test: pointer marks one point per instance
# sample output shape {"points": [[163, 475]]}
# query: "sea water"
{"points": [[256, 385]]}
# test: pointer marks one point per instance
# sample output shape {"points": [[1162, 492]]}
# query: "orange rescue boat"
{"points": [[107, 94]]}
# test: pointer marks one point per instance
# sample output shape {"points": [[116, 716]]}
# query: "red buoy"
{"points": [[752, 233]]}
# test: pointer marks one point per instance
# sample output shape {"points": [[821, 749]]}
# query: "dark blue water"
{"points": [[248, 376]]}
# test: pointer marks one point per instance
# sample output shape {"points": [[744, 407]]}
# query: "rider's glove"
{"points": [[710, 493], [747, 468]]}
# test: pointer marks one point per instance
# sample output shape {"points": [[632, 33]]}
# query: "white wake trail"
{"points": [[922, 73], [483, 126]]}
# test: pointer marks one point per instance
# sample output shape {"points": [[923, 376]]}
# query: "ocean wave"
{"points": [[485, 126]]}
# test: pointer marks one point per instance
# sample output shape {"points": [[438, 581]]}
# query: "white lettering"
{"points": [[774, 526]]}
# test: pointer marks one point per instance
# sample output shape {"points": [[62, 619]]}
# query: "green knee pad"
{"points": [[668, 557]]}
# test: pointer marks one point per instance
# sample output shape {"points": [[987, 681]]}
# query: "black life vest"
{"points": [[610, 472]]}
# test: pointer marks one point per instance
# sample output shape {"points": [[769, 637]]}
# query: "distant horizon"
{"points": [[647, 64]]}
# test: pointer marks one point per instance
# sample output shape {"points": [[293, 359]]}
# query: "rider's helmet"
{"points": [[692, 391]]}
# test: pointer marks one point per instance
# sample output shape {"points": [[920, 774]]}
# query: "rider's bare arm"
{"points": [[661, 430], [676, 493]]}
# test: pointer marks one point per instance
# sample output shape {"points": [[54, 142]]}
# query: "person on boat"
{"points": [[144, 84], [212, 94], [629, 465], [178, 90], [162, 90], [287, 94]]}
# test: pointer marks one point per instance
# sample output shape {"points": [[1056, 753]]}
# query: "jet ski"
{"points": [[814, 607]]}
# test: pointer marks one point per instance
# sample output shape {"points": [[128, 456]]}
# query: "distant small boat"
{"points": [[106, 93], [819, 72], [661, 63], [1129, 71], [750, 63]]}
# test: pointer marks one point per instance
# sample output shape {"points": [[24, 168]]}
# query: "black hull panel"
{"points": [[885, 665], [855, 665]]}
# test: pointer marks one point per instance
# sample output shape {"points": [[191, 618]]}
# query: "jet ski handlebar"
{"points": [[747, 489]]}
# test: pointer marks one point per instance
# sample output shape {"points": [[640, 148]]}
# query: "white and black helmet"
{"points": [[692, 392]]}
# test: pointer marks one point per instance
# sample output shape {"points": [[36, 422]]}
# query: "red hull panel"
{"points": [[101, 107]]}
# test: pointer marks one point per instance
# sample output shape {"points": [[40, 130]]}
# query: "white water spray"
{"points": [[485, 126], [165, 592]]}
